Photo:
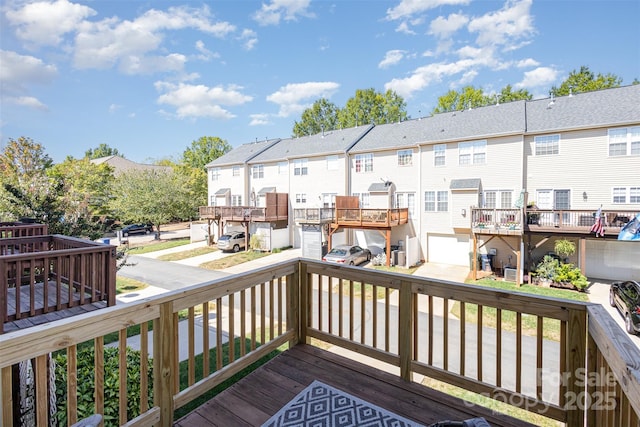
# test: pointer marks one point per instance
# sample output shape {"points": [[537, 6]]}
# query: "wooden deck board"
{"points": [[261, 394]]}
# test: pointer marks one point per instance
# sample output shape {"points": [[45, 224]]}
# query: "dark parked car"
{"points": [[348, 254], [625, 296], [137, 229]]}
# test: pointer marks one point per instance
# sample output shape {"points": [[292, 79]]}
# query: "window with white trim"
{"points": [[472, 153], [236, 200], [282, 168], [406, 200], [235, 171], [364, 162], [436, 201], [300, 167], [332, 163], [439, 153], [215, 174], [624, 141], [329, 200], [405, 157], [212, 200], [501, 199], [546, 145], [301, 198], [364, 199], [622, 194], [257, 171]]}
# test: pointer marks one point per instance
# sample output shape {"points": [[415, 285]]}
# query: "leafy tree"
{"points": [[322, 116], [585, 81], [369, 106], [25, 189], [508, 95], [468, 97], [152, 196], [102, 150], [204, 150], [86, 187]]}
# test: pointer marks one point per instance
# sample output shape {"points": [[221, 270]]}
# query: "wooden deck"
{"points": [[254, 399]]}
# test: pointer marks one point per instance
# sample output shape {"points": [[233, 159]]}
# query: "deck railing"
{"points": [[43, 274], [545, 220], [245, 213], [528, 351], [20, 229], [314, 215], [372, 217]]}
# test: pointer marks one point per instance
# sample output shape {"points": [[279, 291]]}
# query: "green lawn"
{"points": [[125, 284], [157, 246], [232, 260], [177, 256], [550, 327]]}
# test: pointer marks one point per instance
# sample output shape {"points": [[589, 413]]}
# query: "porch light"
{"points": [[584, 196], [463, 212]]}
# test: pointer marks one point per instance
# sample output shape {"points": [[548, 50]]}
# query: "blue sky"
{"points": [[150, 77]]}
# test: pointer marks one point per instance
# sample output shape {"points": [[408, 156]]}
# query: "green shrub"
{"points": [[568, 273], [548, 268], [86, 384]]}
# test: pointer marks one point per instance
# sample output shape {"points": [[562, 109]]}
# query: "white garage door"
{"points": [[612, 259], [448, 249]]}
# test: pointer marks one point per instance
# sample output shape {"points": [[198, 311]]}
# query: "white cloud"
{"points": [[259, 120], [18, 73], [30, 102], [506, 27], [273, 12], [444, 27], [424, 76], [249, 39], [407, 8], [193, 101], [404, 28], [541, 76], [113, 108], [529, 62], [132, 45], [296, 97], [392, 57], [45, 23], [205, 54]]}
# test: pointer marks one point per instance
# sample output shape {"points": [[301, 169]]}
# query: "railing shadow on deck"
{"points": [[534, 353]]}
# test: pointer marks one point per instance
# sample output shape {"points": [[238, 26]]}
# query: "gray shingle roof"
{"points": [[590, 109], [477, 123], [243, 153], [332, 142], [465, 184], [222, 191], [266, 190], [380, 187]]}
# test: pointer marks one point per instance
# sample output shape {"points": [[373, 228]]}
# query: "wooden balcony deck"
{"points": [[276, 208], [371, 218], [541, 356], [44, 275], [255, 398], [546, 221]]}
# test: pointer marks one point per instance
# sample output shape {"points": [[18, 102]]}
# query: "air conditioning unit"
{"points": [[510, 274]]}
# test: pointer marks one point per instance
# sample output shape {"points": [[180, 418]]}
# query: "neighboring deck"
{"points": [[257, 397]]}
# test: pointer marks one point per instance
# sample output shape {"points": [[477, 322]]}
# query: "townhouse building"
{"points": [[506, 180]]}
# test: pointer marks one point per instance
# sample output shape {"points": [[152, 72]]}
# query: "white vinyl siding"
{"points": [[282, 168], [332, 163]]}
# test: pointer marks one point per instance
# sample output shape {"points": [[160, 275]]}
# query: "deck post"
{"points": [[294, 287], [575, 362], [304, 316], [164, 363], [405, 333]]}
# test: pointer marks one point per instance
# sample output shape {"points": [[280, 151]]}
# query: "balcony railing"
{"points": [[563, 359], [20, 229], [245, 213], [504, 221], [313, 215], [372, 217], [45, 274]]}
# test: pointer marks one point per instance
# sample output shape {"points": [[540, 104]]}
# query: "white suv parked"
{"points": [[233, 241]]}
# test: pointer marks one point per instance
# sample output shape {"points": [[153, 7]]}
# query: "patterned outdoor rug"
{"points": [[322, 405]]}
